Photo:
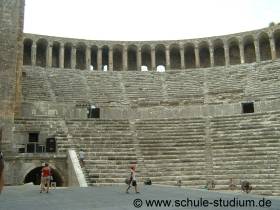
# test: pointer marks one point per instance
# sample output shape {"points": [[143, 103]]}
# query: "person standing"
{"points": [[1, 172], [46, 178], [82, 158], [132, 180]]}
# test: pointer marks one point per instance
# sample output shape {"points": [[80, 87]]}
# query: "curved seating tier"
{"points": [[193, 150], [193, 86]]}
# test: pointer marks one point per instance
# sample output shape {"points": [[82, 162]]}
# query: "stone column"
{"points": [[241, 49], [124, 58], [33, 54], [61, 57], [49, 55], [99, 59], [272, 47], [226, 54], [211, 51], [257, 49], [153, 58], [196, 53], [139, 58], [88, 54], [182, 55], [73, 57], [167, 58], [110, 59]]}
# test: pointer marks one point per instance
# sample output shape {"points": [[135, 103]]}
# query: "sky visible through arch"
{"points": [[147, 19]]}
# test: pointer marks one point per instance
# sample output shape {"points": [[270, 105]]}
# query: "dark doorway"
{"points": [[34, 176], [50, 145], [248, 107], [33, 137], [94, 113]]}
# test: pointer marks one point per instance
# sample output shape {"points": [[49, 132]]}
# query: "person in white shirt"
{"points": [[82, 158]]}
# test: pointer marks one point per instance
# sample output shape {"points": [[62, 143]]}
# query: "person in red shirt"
{"points": [[45, 177]]}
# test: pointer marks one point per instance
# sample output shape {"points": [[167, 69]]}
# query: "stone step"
{"points": [[234, 171], [235, 161]]}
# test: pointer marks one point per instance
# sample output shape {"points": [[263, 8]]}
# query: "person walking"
{"points": [[82, 158], [46, 178], [132, 180], [1, 172]]}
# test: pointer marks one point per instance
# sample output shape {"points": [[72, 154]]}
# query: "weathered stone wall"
{"points": [[46, 127], [17, 167], [11, 21]]}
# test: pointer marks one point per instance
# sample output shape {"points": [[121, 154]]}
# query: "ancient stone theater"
{"points": [[188, 112]]}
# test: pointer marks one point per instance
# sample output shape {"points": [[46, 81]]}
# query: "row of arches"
{"points": [[119, 57]]}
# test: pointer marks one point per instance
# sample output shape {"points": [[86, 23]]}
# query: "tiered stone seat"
{"points": [[185, 85], [265, 81], [246, 147], [227, 83], [172, 150], [143, 86], [105, 87], [35, 86], [68, 86], [109, 149]]}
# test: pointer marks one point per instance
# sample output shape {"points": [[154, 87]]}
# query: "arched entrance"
{"points": [[34, 176]]}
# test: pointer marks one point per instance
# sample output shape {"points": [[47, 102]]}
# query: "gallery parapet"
{"points": [[244, 47]]}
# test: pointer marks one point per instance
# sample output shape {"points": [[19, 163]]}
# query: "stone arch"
{"points": [[249, 49], [132, 57], [81, 56], [160, 55], [41, 52], [276, 36], [93, 57], [146, 56], [34, 175], [219, 52], [264, 45], [55, 54], [204, 54], [175, 57], [189, 55], [117, 57], [105, 57], [67, 55], [27, 49], [234, 51]]}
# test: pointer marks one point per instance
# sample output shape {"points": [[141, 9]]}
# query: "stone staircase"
{"points": [[172, 150], [108, 146], [246, 147]]}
